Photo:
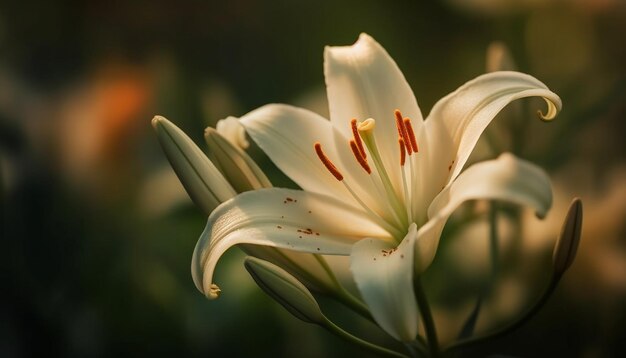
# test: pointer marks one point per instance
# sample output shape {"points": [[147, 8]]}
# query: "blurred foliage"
{"points": [[97, 233]]}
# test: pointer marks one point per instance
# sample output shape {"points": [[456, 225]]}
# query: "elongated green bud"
{"points": [[569, 239], [312, 270], [236, 166], [204, 183], [285, 289], [230, 171]]}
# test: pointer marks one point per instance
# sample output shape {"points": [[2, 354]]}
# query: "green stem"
{"points": [[356, 340], [429, 323], [530, 313], [354, 303]]}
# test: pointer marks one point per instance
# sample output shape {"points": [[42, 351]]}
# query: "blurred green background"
{"points": [[97, 234]]}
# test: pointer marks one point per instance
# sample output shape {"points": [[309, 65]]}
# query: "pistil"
{"points": [[366, 130]]}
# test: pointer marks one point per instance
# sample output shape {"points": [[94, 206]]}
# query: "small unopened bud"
{"points": [[499, 58], [567, 243], [309, 269], [236, 166], [285, 289], [204, 183], [233, 131]]}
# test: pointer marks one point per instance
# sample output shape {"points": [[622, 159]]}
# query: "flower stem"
{"points": [[356, 340], [530, 313], [429, 323], [354, 303]]}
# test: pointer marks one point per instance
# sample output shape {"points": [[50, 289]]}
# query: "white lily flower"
{"points": [[379, 190]]}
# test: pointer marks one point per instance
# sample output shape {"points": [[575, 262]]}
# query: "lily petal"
{"points": [[362, 82], [287, 135], [384, 275], [284, 218], [507, 178], [457, 121]]}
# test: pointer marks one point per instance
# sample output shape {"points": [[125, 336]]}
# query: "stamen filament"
{"points": [[359, 158], [395, 232], [409, 129], [357, 138], [405, 187], [415, 186], [394, 219], [327, 163], [407, 195], [402, 152]]}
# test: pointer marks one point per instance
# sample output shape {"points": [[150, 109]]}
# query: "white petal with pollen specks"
{"points": [[506, 178], [287, 135], [384, 275], [284, 218]]}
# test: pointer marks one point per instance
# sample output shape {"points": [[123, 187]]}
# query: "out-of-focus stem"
{"points": [[429, 322], [358, 341], [530, 313]]}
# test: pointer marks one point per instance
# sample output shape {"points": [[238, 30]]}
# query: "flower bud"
{"points": [[204, 183], [233, 131], [499, 58], [307, 268], [285, 289], [567, 243], [236, 166]]}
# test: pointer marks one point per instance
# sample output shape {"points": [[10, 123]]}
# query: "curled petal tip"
{"points": [[553, 110], [213, 292]]}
